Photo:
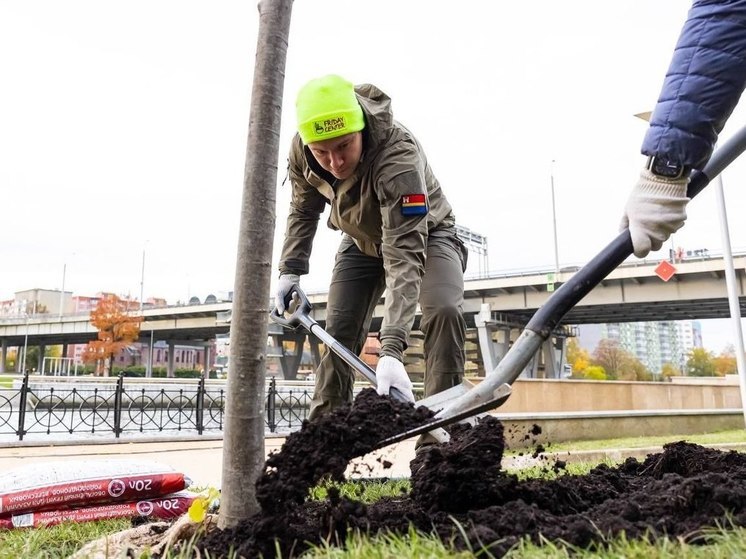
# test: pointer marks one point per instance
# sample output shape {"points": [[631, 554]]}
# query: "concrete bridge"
{"points": [[495, 308]]}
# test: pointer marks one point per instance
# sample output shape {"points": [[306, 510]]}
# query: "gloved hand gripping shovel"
{"points": [[545, 320]]}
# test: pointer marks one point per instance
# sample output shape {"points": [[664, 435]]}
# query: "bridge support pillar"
{"points": [[170, 365], [40, 358], [551, 366], [3, 354], [206, 361], [550, 362], [555, 356], [291, 362], [149, 365], [494, 336]]}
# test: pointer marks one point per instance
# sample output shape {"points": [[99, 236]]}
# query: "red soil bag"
{"points": [[60, 485], [166, 507]]}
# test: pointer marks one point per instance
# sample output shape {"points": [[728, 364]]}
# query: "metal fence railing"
{"points": [[50, 408]]}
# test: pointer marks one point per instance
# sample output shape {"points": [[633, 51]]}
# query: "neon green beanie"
{"points": [[327, 108]]}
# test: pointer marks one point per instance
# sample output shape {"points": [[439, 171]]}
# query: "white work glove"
{"points": [[655, 209], [287, 281], [390, 373]]}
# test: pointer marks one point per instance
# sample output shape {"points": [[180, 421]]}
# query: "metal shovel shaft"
{"points": [[301, 317], [346, 355]]}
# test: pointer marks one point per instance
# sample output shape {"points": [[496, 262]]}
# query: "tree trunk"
{"points": [[243, 446]]}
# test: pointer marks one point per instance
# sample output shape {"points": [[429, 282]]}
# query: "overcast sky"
{"points": [[123, 129]]}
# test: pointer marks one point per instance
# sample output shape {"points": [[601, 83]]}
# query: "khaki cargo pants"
{"points": [[357, 285]]}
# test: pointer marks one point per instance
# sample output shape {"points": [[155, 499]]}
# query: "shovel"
{"points": [[301, 317], [490, 392]]}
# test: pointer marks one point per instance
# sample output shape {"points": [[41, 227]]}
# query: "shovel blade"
{"points": [[441, 400], [499, 396]]}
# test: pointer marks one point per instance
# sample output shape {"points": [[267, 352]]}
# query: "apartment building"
{"points": [[653, 343]]}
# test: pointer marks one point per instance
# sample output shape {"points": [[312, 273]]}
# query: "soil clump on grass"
{"points": [[460, 492]]}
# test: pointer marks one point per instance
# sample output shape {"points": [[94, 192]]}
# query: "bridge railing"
{"points": [[43, 408], [687, 255]]}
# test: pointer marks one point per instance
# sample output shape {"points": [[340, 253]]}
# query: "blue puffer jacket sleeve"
{"points": [[703, 84]]}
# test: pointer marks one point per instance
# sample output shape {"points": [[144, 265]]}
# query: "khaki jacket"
{"points": [[368, 207]]}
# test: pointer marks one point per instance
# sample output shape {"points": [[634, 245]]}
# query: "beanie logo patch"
{"points": [[321, 127], [413, 204]]}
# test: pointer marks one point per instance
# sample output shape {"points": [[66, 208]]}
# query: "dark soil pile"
{"points": [[676, 493], [323, 448]]}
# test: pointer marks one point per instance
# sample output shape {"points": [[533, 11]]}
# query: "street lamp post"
{"points": [[25, 346], [554, 224], [732, 286], [149, 364], [142, 278], [149, 367], [62, 291]]}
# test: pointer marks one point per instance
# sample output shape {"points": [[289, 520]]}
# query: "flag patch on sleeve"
{"points": [[413, 204]]}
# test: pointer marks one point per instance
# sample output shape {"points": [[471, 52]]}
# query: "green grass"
{"points": [[721, 544], [54, 542], [722, 437], [413, 545], [58, 542], [6, 381], [365, 491]]}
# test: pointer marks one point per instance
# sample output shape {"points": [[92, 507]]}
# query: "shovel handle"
{"points": [[581, 283], [301, 317]]}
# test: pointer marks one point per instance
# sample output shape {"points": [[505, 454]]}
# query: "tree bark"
{"points": [[243, 446]]}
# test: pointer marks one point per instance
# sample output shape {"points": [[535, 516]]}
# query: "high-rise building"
{"points": [[653, 343]]}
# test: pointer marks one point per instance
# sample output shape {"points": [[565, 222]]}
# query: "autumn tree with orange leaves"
{"points": [[116, 331]]}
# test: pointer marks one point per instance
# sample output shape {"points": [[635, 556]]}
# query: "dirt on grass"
{"points": [[460, 492]]}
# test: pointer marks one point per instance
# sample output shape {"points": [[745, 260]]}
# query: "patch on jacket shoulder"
{"points": [[413, 204]]}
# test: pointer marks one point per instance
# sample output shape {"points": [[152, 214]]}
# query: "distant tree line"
{"points": [[610, 361]]}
